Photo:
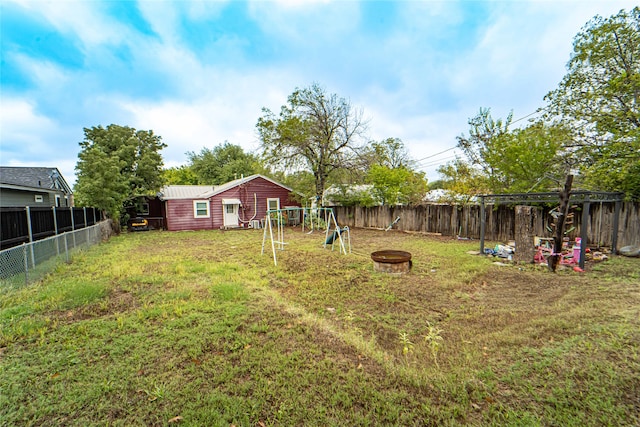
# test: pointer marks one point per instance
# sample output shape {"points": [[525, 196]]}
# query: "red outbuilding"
{"points": [[236, 204]]}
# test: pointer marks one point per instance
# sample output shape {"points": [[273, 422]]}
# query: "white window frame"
{"points": [[58, 201], [195, 209], [38, 198], [144, 207], [272, 199]]}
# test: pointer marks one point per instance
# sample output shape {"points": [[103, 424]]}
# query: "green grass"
{"points": [[199, 325]]}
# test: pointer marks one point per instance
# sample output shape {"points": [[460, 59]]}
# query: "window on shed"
{"points": [[144, 209], [273, 204], [201, 209]]}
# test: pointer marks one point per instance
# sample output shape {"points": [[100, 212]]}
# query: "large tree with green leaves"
{"points": [[315, 131], [519, 160], [599, 99], [398, 185], [221, 164], [485, 135], [389, 171], [463, 181], [179, 175], [391, 153], [116, 164]]}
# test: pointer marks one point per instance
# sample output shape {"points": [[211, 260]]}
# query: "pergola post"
{"points": [[482, 224], [616, 223], [581, 197], [583, 230]]}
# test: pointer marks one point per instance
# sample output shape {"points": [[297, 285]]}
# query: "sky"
{"points": [[199, 73]]}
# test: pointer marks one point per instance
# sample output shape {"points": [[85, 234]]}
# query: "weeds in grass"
{"points": [[157, 391], [434, 340], [222, 337], [406, 344]]}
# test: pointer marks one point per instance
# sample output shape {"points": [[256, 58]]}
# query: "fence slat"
{"points": [[465, 221]]}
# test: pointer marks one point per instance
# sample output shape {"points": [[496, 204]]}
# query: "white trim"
{"points": [[195, 209], [38, 198], [271, 199], [231, 202]]}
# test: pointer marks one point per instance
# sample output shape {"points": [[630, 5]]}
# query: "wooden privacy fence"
{"points": [[26, 224], [464, 221]]}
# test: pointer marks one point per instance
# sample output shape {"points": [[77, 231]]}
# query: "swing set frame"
{"points": [[276, 220]]}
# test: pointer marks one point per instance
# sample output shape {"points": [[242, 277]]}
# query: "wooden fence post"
{"points": [[482, 224], [554, 259], [526, 219]]}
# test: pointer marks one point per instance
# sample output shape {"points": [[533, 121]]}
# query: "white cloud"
{"points": [[226, 112], [17, 121], [31, 139], [81, 18], [407, 82], [306, 23], [43, 73]]}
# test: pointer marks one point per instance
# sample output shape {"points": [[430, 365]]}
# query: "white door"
{"points": [[231, 215]]}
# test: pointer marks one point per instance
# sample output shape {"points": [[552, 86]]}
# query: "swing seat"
{"points": [[332, 238]]}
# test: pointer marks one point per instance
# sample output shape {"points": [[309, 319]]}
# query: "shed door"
{"points": [[230, 213]]}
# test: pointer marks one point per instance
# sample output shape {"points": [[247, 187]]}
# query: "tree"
{"points": [[222, 164], [315, 131], [117, 164], [485, 135], [389, 171], [512, 161], [391, 153], [463, 181], [528, 159], [398, 185], [599, 100], [181, 175]]}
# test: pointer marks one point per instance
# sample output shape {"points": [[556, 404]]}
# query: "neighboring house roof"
{"points": [[447, 196], [33, 178], [348, 189], [337, 191], [172, 192]]}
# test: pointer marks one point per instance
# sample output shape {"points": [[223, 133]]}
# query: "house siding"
{"points": [[18, 198], [179, 213], [180, 216], [262, 189]]}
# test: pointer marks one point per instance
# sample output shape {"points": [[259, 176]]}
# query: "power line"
{"points": [[528, 115], [437, 162], [437, 154]]}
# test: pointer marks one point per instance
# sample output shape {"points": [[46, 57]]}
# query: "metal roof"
{"points": [[172, 192]]}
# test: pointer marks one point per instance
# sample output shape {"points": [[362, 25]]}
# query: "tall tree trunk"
{"points": [[563, 209]]}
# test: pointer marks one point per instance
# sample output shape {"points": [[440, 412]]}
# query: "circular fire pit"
{"points": [[391, 261]]}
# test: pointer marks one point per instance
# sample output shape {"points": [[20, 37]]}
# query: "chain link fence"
{"points": [[29, 262]]}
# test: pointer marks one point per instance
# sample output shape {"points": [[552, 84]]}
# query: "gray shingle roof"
{"points": [[34, 177]]}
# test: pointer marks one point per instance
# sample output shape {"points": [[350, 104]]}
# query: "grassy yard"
{"points": [[200, 329]]}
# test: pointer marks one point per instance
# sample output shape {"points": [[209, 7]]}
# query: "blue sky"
{"points": [[198, 73]]}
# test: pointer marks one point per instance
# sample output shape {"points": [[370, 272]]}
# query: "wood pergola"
{"points": [[578, 197]]}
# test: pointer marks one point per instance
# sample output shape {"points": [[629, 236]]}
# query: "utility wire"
{"points": [[437, 154], [528, 115], [437, 162], [417, 163]]}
